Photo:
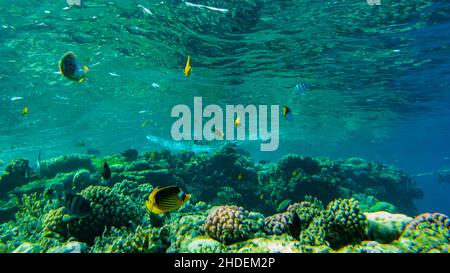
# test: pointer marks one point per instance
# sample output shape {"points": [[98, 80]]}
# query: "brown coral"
{"points": [[286, 222], [230, 224]]}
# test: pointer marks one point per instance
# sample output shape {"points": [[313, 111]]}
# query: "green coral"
{"points": [[28, 225], [279, 223], [141, 240], [66, 164], [307, 210], [385, 227], [227, 195], [109, 209], [427, 233], [428, 237], [314, 234], [344, 222], [16, 174]]}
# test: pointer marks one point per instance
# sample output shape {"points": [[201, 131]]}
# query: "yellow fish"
{"points": [[217, 132], [237, 122], [162, 200], [145, 123], [220, 133], [25, 111], [188, 68], [240, 177], [261, 196], [153, 155]]}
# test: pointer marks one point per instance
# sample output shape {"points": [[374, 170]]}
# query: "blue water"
{"points": [[380, 77]]}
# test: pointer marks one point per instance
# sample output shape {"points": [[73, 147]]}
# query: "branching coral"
{"points": [[142, 240], [211, 177], [343, 222], [286, 222], [294, 176], [29, 222], [306, 210]]}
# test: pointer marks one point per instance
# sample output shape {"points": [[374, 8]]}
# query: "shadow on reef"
{"points": [[362, 199]]}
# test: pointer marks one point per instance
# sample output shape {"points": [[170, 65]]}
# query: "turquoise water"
{"points": [[356, 56], [378, 77]]}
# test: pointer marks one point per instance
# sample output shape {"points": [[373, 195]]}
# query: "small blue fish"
{"points": [[301, 88], [93, 151]]}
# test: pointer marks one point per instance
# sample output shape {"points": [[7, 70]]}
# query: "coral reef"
{"points": [[385, 227], [230, 224], [280, 223], [437, 218], [65, 164], [226, 176], [427, 233], [16, 174], [109, 209], [327, 179], [230, 196], [141, 240], [307, 210], [344, 222]]}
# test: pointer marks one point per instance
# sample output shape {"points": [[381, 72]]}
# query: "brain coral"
{"points": [[427, 233], [230, 224], [437, 218], [108, 209]]}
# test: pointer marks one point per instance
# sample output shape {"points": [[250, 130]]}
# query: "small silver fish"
{"points": [[38, 163], [16, 98], [301, 88]]}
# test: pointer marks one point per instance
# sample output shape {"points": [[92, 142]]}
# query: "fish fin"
{"points": [[289, 117], [60, 68], [149, 205], [67, 218], [156, 210], [188, 197]]}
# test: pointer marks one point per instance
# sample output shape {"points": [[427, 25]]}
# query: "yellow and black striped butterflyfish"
{"points": [[166, 199], [70, 68]]}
